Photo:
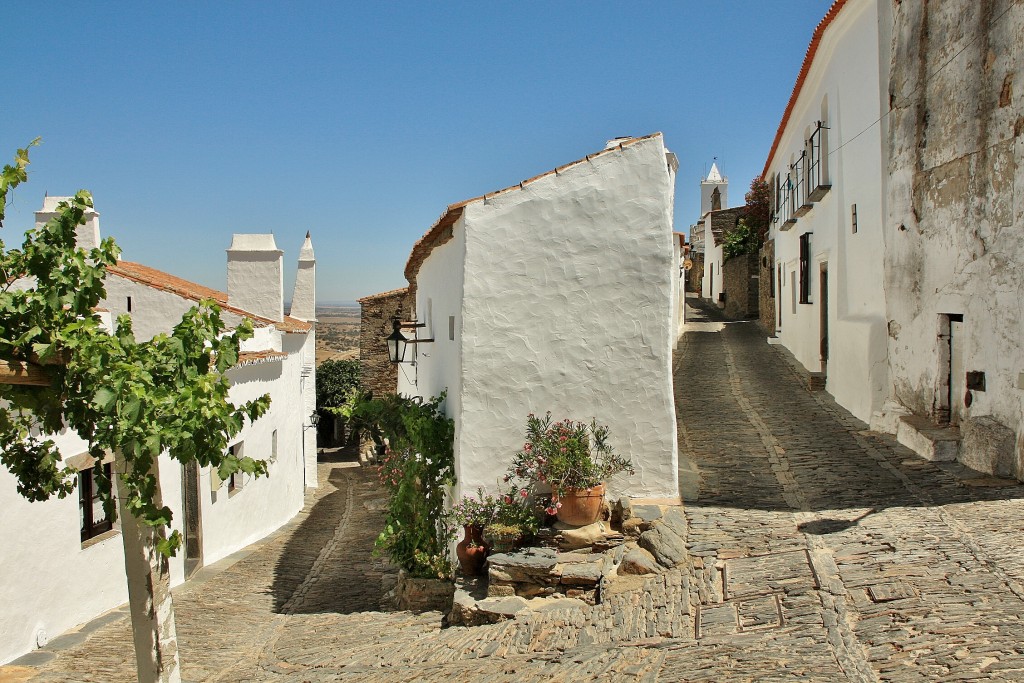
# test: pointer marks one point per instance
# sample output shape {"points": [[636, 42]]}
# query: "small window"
{"points": [[805, 268], [237, 479], [94, 519], [273, 446], [853, 217], [451, 328], [129, 304]]}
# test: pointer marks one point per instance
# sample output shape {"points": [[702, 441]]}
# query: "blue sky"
{"points": [[360, 122]]}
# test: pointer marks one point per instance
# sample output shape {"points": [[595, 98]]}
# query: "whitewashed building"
{"points": [[826, 168], [714, 198], [63, 561], [555, 294]]}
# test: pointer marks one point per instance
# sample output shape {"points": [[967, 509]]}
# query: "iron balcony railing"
{"points": [[816, 179]]}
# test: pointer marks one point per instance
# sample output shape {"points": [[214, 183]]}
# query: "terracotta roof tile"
{"points": [[157, 279], [812, 49], [259, 357], [441, 231]]}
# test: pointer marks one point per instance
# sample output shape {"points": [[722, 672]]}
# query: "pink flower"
{"points": [[524, 493], [527, 447], [558, 506], [508, 500]]}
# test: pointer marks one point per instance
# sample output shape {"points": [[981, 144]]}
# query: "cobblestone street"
{"points": [[819, 551]]}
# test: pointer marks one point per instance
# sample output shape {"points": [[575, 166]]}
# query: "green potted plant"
{"points": [[574, 459], [503, 537]]}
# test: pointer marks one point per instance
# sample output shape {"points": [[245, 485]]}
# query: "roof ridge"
{"points": [[435, 234], [805, 67], [158, 279]]}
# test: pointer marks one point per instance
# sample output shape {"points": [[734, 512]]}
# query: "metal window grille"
{"points": [[805, 268], [94, 519]]}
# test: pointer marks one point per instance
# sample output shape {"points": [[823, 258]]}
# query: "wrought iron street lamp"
{"points": [[398, 342]]}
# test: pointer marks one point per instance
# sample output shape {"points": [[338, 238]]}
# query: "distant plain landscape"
{"points": [[337, 332]]}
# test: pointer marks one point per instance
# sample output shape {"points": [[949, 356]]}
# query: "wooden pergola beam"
{"points": [[20, 372]]}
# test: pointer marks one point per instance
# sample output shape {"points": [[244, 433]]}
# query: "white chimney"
{"points": [[87, 236], [304, 295], [256, 275]]}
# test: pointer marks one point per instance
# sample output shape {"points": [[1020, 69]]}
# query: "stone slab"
{"points": [[665, 545]]}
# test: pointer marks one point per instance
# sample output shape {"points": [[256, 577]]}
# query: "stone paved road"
{"points": [[819, 551]]}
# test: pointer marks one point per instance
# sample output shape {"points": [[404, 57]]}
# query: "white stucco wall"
{"points": [[48, 581], [711, 284], [437, 365], [567, 307], [256, 275], [846, 74], [304, 295]]}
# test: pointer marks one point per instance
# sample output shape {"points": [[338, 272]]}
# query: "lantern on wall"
{"points": [[398, 342]]}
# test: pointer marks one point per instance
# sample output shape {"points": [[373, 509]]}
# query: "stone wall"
{"points": [[739, 281], [376, 372], [766, 294], [695, 274]]}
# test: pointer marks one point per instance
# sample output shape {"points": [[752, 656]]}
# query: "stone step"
{"points": [[927, 439]]}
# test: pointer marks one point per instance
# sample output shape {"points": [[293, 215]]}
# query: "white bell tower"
{"points": [[708, 199]]}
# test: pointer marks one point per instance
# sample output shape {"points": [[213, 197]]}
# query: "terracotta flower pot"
{"points": [[472, 550], [580, 507]]}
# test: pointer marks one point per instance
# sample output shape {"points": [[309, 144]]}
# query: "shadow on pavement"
{"points": [[831, 462], [327, 565]]}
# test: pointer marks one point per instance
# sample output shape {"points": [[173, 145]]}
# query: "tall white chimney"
{"points": [[87, 236], [304, 295], [256, 275]]}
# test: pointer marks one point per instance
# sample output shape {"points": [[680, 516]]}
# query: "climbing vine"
{"points": [[417, 468]]}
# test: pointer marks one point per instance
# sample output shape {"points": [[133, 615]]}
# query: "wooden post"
{"points": [[20, 372], [149, 593]]}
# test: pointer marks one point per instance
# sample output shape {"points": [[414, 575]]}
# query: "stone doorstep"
{"points": [[927, 439]]}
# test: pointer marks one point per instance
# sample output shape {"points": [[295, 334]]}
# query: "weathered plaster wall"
{"points": [[740, 283], [376, 372], [843, 88], [567, 308], [956, 203]]}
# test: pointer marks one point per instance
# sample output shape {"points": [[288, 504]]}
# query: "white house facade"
{"points": [[556, 294], [63, 562], [827, 171]]}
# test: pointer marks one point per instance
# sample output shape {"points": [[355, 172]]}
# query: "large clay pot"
{"points": [[472, 550], [580, 507]]}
